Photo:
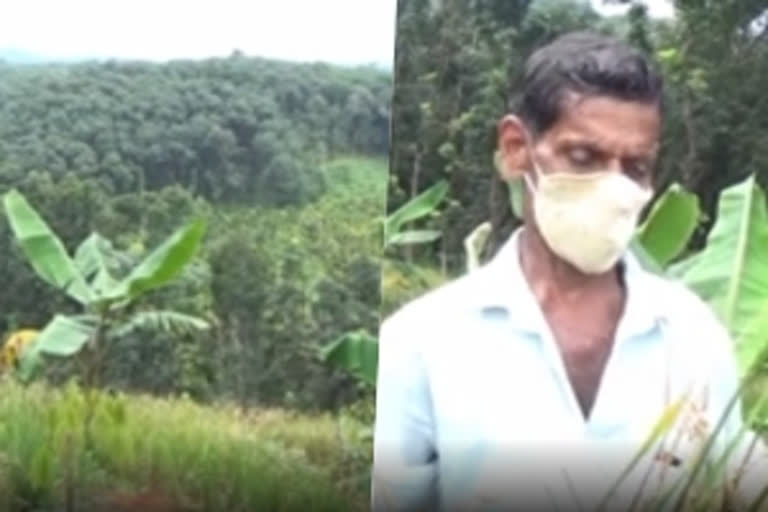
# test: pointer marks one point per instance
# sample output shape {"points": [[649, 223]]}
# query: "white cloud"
{"points": [[336, 30]]}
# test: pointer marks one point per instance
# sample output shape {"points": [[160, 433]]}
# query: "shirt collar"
{"points": [[503, 287]]}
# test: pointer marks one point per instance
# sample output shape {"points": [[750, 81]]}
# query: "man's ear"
{"points": [[512, 151]]}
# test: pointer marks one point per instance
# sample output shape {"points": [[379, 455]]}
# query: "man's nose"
{"points": [[615, 165]]}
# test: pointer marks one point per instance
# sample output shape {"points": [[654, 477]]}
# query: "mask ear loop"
{"points": [[534, 165], [529, 183], [526, 175]]}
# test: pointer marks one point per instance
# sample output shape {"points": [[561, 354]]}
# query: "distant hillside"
{"points": [[229, 129], [20, 56]]}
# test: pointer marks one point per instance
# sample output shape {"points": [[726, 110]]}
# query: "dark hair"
{"points": [[584, 63]]}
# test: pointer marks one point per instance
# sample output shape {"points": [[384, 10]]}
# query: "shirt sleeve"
{"points": [[404, 473]]}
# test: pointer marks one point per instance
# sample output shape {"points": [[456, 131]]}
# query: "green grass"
{"points": [[363, 175], [145, 451]]}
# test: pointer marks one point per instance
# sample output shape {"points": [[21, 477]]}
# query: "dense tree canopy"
{"points": [[239, 129]]}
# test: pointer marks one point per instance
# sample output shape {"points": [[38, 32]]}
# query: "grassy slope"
{"points": [[158, 454], [150, 452]]}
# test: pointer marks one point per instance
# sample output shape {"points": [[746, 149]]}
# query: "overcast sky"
{"points": [[336, 30], [342, 31], [656, 8]]}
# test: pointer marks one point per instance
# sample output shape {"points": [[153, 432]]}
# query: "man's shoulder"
{"points": [[677, 301], [434, 308], [693, 322]]}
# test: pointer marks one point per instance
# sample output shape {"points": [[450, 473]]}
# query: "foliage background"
{"points": [[455, 62], [286, 163], [274, 155]]}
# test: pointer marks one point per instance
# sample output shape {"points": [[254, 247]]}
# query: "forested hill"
{"points": [[273, 155], [238, 129]]}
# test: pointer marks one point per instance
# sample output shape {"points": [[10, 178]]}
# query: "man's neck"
{"points": [[554, 281]]}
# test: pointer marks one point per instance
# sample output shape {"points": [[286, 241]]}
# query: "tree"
{"points": [[90, 280]]}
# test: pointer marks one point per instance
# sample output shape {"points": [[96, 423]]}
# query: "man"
{"points": [[531, 382]]}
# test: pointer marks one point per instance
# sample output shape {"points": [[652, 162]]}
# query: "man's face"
{"points": [[592, 134]]}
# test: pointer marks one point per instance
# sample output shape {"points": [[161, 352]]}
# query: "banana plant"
{"points": [[88, 278], [356, 352], [731, 272], [416, 208], [664, 235]]}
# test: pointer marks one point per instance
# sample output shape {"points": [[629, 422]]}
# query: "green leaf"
{"points": [[475, 243], [414, 237], [668, 56], [645, 259], [163, 264], [89, 257], [43, 249], [697, 80], [63, 336], [103, 282], [672, 220], [41, 472], [355, 352], [680, 268], [29, 363], [162, 321], [516, 196], [92, 258], [418, 207], [731, 272], [753, 340], [515, 188]]}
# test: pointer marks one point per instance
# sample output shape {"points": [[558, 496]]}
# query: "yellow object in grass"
{"points": [[14, 347]]}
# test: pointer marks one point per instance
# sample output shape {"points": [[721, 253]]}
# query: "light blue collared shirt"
{"points": [[474, 410]]}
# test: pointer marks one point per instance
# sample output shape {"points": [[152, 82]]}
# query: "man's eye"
{"points": [[581, 156], [638, 168]]}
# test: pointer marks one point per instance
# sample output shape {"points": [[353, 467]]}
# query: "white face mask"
{"points": [[587, 220]]}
